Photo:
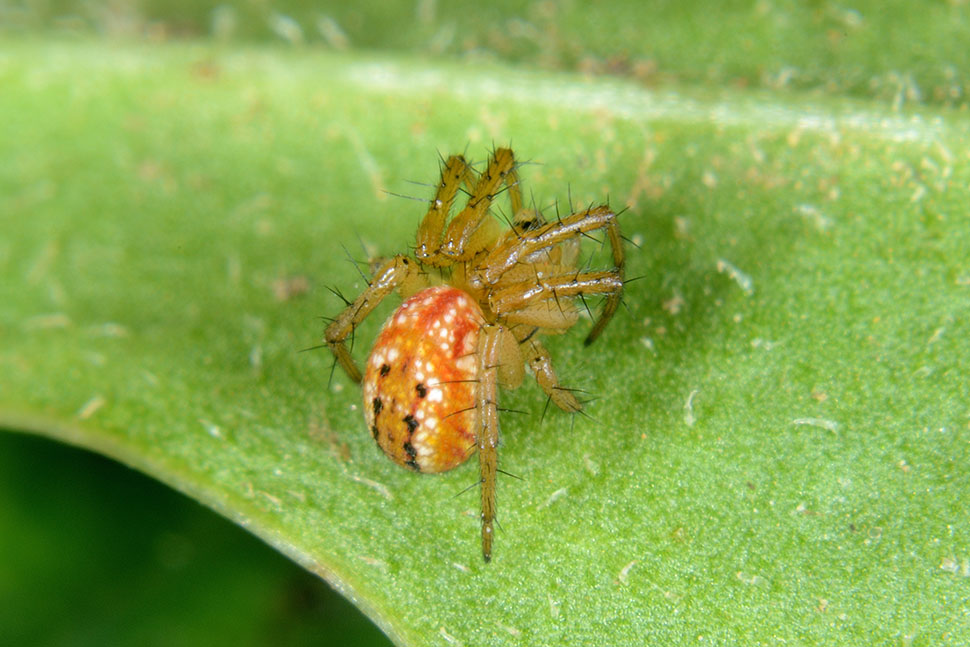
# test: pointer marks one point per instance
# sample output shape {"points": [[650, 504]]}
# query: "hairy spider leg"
{"points": [[470, 231], [487, 439], [612, 299], [500, 362], [399, 272], [545, 375], [455, 172], [516, 249], [525, 294], [509, 253]]}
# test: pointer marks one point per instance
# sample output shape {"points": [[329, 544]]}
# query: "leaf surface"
{"points": [[777, 444]]}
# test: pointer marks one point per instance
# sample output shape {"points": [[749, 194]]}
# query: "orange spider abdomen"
{"points": [[420, 380]]}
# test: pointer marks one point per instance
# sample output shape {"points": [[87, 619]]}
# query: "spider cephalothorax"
{"points": [[477, 300]]}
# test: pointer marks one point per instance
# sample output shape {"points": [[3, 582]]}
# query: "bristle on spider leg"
{"points": [[545, 408], [426, 185], [508, 221], [556, 297], [338, 294], [588, 341], [317, 347], [477, 483], [589, 263], [455, 413], [355, 262], [407, 197], [502, 189], [360, 241], [333, 366], [353, 327], [589, 236], [585, 415], [529, 162], [453, 382], [630, 241], [626, 307], [582, 297], [571, 389], [579, 403], [585, 401]]}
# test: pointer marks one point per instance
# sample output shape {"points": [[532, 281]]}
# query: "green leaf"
{"points": [[777, 448]]}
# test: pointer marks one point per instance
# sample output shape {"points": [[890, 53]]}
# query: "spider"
{"points": [[476, 300]]}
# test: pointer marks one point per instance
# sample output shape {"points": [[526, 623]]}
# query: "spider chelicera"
{"points": [[477, 300]]}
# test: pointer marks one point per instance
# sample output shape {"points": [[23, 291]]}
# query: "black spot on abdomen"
{"points": [[412, 457], [411, 423]]}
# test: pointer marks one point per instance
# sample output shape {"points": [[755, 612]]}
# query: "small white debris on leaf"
{"points": [[830, 425], [743, 280]]}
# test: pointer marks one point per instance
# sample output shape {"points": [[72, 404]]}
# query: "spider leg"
{"points": [[399, 272], [512, 251], [541, 364], [468, 232], [613, 299], [522, 295], [489, 352], [454, 172], [548, 303]]}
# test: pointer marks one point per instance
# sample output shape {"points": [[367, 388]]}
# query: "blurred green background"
{"points": [[892, 50], [93, 553]]}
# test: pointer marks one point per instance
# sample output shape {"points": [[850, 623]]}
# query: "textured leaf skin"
{"points": [[780, 435]]}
